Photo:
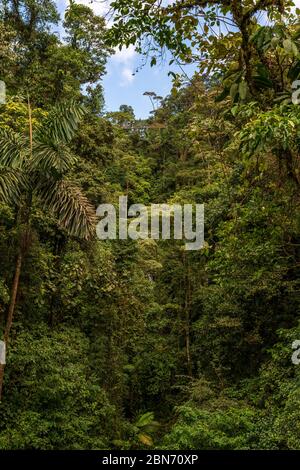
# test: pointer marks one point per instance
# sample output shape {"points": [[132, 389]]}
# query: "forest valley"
{"points": [[141, 344]]}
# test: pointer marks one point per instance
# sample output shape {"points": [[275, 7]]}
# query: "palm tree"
{"points": [[146, 425], [35, 167]]}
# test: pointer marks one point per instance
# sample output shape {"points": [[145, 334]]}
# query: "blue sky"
{"points": [[120, 85]]}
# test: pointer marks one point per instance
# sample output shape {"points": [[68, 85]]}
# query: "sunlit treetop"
{"points": [[217, 35], [182, 25]]}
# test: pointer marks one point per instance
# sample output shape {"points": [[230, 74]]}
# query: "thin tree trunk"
{"points": [[188, 343], [1, 379], [187, 319], [11, 312], [22, 251], [14, 293]]}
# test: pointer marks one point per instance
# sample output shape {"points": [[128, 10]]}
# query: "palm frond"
{"points": [[11, 184], [61, 123], [52, 156], [13, 148], [72, 209]]}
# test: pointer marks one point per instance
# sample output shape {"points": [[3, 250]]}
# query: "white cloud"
{"points": [[125, 58], [127, 76], [100, 7], [125, 55]]}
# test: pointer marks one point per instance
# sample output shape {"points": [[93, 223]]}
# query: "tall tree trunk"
{"points": [[22, 251], [11, 312], [188, 343], [187, 320]]}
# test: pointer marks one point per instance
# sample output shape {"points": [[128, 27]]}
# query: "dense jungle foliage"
{"points": [[141, 344]]}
